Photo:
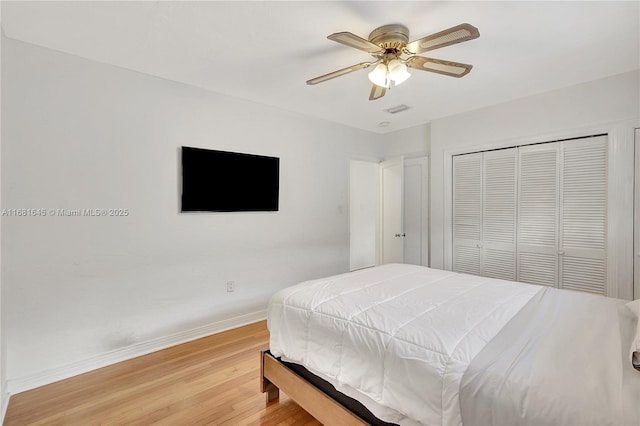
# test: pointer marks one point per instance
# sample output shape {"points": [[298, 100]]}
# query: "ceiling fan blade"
{"points": [[338, 73], [453, 69], [377, 92], [453, 35], [352, 40]]}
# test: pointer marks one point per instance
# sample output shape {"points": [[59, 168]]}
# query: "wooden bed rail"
{"points": [[276, 376]]}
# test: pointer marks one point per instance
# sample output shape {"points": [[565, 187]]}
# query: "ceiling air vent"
{"points": [[397, 109]]}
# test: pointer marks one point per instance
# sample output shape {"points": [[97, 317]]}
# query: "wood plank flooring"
{"points": [[210, 381]]}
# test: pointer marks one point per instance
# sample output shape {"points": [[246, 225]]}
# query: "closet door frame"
{"points": [[620, 187]]}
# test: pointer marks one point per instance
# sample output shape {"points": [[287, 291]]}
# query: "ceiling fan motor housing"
{"points": [[390, 37]]}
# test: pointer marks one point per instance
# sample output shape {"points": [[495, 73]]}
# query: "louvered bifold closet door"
{"points": [[583, 213], [538, 214], [467, 213], [498, 254]]}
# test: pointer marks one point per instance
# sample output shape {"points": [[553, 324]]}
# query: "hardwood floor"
{"points": [[210, 381]]}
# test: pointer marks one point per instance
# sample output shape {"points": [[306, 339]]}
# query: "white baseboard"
{"points": [[4, 401], [108, 358]]}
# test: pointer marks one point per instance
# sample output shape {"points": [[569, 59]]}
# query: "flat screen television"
{"points": [[222, 181]]}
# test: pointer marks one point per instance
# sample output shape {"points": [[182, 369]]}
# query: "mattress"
{"points": [[398, 338], [420, 346]]}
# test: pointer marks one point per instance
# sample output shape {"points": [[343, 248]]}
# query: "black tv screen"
{"points": [[221, 181]]}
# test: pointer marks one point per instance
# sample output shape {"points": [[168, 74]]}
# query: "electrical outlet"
{"points": [[231, 286]]}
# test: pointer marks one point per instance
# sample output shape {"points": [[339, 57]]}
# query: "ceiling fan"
{"points": [[390, 44]]}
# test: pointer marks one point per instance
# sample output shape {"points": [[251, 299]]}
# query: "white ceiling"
{"points": [[265, 51]]}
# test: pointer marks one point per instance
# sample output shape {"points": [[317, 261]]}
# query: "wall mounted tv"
{"points": [[221, 181]]}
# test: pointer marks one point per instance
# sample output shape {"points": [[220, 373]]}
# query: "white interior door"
{"points": [[583, 215], [363, 213], [415, 208], [538, 189], [484, 213], [499, 199], [467, 213], [391, 214]]}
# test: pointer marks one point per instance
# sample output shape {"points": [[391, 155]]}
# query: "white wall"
{"points": [[80, 134], [364, 202], [610, 104], [411, 142]]}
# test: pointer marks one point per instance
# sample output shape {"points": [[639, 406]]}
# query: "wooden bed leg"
{"points": [[275, 376], [272, 391]]}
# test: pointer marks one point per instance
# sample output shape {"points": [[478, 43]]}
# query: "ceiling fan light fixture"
{"points": [[398, 71], [380, 76], [389, 74]]}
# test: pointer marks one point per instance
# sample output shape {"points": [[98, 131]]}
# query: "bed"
{"points": [[411, 345]]}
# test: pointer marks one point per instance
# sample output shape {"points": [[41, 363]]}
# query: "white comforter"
{"points": [[563, 360], [397, 337]]}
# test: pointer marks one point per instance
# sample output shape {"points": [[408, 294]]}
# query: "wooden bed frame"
{"points": [[275, 376]]}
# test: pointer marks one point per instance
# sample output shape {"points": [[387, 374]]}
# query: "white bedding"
{"points": [[563, 360], [396, 337]]}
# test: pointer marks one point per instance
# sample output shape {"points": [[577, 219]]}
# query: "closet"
{"points": [[535, 214]]}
